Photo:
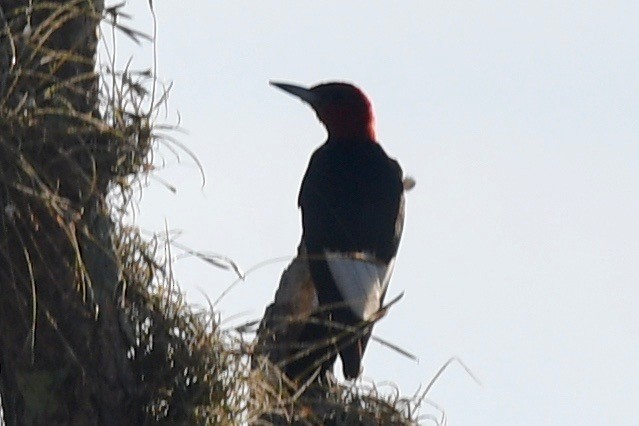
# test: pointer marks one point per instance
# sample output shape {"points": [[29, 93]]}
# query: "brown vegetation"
{"points": [[93, 329]]}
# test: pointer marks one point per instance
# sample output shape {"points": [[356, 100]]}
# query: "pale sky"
{"points": [[519, 122]]}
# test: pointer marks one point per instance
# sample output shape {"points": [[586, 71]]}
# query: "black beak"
{"points": [[301, 92]]}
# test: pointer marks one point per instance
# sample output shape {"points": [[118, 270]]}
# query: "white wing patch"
{"points": [[360, 279]]}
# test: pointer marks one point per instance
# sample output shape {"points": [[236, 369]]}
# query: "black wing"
{"points": [[352, 203], [351, 199]]}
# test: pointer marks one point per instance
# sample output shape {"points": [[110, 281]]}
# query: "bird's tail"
{"points": [[352, 352]]}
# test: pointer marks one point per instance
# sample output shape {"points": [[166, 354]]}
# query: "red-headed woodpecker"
{"points": [[352, 216]]}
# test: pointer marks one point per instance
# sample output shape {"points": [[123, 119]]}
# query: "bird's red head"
{"points": [[343, 108]]}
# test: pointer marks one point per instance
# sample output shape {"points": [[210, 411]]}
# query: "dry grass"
{"points": [[71, 158]]}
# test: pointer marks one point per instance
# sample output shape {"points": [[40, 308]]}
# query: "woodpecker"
{"points": [[352, 205]]}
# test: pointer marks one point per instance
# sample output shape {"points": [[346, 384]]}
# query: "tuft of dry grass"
{"points": [[188, 370], [75, 143]]}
